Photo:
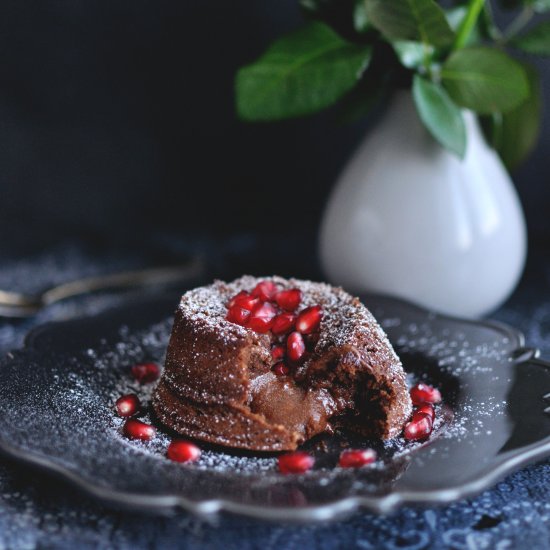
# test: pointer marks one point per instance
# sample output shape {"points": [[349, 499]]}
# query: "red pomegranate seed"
{"points": [[238, 315], [128, 405], [289, 299], [423, 393], [419, 427], [295, 463], [277, 353], [265, 290], [280, 369], [283, 323], [233, 300], [309, 319], [145, 373], [244, 300], [295, 346], [136, 429], [355, 458], [426, 409], [180, 450], [261, 318]]}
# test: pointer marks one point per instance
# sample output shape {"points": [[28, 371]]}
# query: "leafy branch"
{"points": [[453, 59]]}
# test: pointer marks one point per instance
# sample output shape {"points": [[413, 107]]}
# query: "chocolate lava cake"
{"points": [[266, 364]]}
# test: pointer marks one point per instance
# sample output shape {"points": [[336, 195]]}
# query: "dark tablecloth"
{"points": [[37, 511]]}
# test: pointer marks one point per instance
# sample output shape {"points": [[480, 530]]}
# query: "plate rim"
{"points": [[307, 514], [343, 507]]}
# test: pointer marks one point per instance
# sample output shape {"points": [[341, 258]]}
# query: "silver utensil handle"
{"points": [[15, 304], [129, 279]]}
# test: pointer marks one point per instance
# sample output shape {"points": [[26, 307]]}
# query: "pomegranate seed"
{"points": [[277, 353], [295, 346], [426, 409], [233, 300], [283, 323], [423, 393], [355, 458], [261, 318], [136, 429], [295, 463], [280, 369], [128, 405], [419, 427], [238, 315], [419, 415], [180, 450], [289, 299], [265, 290], [145, 373], [244, 300], [309, 319]]}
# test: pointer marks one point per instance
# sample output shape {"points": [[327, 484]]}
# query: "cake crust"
{"points": [[218, 385]]}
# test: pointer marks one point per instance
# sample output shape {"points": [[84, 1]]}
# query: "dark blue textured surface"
{"points": [[39, 512]]}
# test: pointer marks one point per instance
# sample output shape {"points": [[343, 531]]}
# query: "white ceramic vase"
{"points": [[409, 219]]}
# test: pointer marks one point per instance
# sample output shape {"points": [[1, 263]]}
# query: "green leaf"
{"points": [[540, 6], [536, 40], [300, 74], [440, 115], [455, 16], [360, 19], [515, 133], [412, 54], [484, 80], [415, 20]]}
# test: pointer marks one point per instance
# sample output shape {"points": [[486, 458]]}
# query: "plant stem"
{"points": [[474, 9], [517, 25], [494, 31]]}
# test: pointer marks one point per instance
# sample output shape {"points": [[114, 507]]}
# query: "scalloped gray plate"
{"points": [[56, 412]]}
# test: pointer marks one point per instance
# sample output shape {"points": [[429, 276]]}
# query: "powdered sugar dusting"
{"points": [[345, 321], [66, 399]]}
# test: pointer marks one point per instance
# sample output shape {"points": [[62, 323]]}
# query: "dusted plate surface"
{"points": [[58, 392]]}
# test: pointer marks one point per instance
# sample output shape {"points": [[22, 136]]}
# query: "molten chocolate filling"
{"points": [[325, 393]]}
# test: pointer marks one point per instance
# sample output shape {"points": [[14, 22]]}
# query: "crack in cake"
{"points": [[266, 364]]}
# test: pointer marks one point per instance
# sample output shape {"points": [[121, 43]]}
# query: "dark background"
{"points": [[116, 117]]}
